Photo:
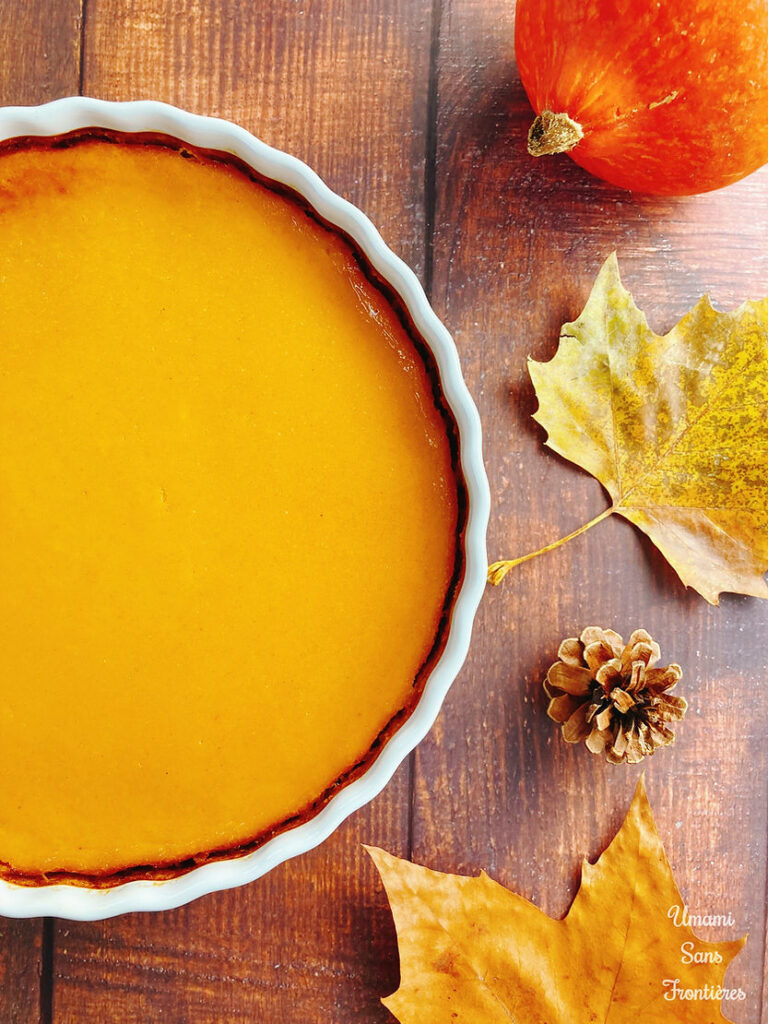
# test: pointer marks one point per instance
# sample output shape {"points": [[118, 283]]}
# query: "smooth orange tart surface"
{"points": [[229, 508]]}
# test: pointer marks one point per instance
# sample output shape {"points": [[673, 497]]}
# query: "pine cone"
{"points": [[611, 696]]}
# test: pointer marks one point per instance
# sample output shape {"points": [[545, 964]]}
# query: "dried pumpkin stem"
{"points": [[499, 570], [553, 133]]}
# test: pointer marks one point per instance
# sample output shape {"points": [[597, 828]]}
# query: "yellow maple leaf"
{"points": [[471, 951], [675, 428]]}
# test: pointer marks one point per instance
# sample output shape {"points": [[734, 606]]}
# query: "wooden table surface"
{"points": [[413, 110]]}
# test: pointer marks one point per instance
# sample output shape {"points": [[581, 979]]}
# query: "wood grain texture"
{"points": [[21, 966], [339, 84], [311, 941], [39, 61], [343, 86], [40, 50], [517, 245]]}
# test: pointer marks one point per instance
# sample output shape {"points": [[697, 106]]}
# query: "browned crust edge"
{"points": [[162, 871]]}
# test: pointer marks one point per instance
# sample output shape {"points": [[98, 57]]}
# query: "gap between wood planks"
{"points": [[430, 202], [81, 54]]}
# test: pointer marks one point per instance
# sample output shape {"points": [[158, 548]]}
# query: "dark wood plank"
{"points": [[342, 85], [40, 58], [39, 61], [21, 966], [517, 245]]}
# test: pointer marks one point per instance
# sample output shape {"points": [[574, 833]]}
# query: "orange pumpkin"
{"points": [[660, 96]]}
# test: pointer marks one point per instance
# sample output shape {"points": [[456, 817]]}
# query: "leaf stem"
{"points": [[499, 570]]}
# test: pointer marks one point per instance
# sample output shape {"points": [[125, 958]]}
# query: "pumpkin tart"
{"points": [[230, 508]]}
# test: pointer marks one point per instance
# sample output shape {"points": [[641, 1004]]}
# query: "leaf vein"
{"points": [[675, 441], [481, 978]]}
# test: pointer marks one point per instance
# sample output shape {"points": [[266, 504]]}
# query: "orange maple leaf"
{"points": [[472, 951], [673, 427]]}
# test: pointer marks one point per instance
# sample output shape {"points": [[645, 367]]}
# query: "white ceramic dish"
{"points": [[79, 902]]}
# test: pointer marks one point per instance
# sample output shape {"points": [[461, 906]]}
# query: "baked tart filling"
{"points": [[230, 508]]}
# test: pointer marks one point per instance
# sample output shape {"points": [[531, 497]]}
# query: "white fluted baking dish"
{"points": [[81, 902]]}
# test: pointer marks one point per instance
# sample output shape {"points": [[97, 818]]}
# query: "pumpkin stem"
{"points": [[553, 133]]}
